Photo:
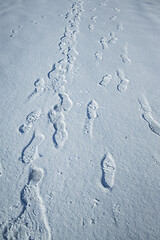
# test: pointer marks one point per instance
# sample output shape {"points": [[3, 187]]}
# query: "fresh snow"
{"points": [[80, 120]]}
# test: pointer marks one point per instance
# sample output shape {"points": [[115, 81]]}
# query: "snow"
{"points": [[80, 119]]}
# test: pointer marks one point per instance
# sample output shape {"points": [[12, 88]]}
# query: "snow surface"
{"points": [[80, 119]]}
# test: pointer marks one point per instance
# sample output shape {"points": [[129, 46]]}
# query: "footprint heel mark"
{"points": [[32, 222], [147, 116], [30, 120], [91, 115], [123, 85], [30, 152], [124, 56], [105, 80], [108, 171]]}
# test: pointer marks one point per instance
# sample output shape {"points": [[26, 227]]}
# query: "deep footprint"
{"points": [[31, 223]]}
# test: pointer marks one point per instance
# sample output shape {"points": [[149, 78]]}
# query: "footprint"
{"points": [[60, 135], [98, 56], [116, 209], [32, 222], [113, 18], [122, 86], [104, 43], [124, 56], [108, 171], [105, 80], [120, 26], [113, 39], [91, 26], [30, 120], [91, 115], [94, 18], [30, 152]]}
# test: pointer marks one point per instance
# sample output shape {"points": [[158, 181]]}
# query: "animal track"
{"points": [[120, 26], [147, 116], [113, 39], [116, 9], [108, 171], [30, 152], [95, 202], [30, 120], [104, 42], [122, 86], [124, 56], [93, 9], [91, 115], [91, 26], [98, 56], [14, 32], [31, 223], [105, 80], [60, 135], [113, 18], [94, 18]]}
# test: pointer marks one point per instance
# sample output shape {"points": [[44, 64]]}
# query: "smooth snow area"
{"points": [[80, 119]]}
